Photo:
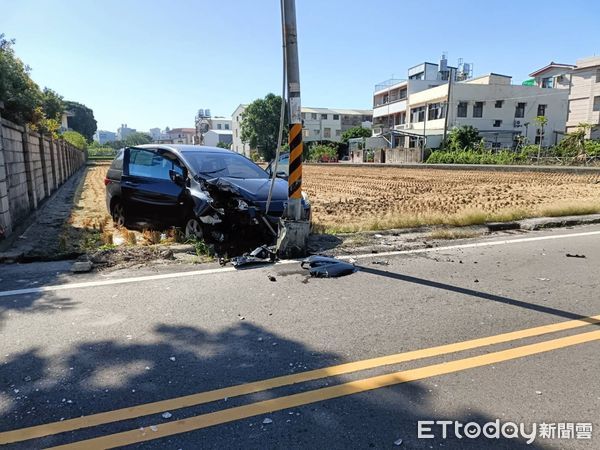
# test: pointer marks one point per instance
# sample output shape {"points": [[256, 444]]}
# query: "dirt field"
{"points": [[352, 199], [356, 198]]}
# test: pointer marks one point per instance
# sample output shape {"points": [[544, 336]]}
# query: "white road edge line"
{"points": [[164, 276]]}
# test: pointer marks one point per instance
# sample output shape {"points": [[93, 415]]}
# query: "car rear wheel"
{"points": [[118, 214], [193, 229]]}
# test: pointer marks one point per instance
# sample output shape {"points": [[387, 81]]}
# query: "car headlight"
{"points": [[242, 205]]}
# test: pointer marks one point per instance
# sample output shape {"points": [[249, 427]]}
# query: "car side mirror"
{"points": [[176, 178], [282, 175]]}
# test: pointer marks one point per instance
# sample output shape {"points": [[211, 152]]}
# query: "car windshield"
{"points": [[210, 165]]}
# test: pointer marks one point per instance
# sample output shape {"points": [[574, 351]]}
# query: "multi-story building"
{"points": [[236, 128], [123, 131], [420, 111], [325, 124], [584, 96], [103, 136]]}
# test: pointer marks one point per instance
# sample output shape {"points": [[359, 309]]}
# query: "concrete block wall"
{"points": [[32, 167]]}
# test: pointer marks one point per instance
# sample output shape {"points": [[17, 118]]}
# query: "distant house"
{"points": [[181, 135], [214, 137], [584, 97], [236, 127]]}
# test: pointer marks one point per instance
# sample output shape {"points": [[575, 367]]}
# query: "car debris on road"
{"points": [[260, 255], [327, 267]]}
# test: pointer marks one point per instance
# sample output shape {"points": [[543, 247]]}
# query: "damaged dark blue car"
{"points": [[213, 194]]}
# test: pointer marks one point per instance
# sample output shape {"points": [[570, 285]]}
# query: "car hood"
{"points": [[255, 191]]}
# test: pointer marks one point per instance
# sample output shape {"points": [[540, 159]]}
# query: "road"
{"points": [[503, 328]]}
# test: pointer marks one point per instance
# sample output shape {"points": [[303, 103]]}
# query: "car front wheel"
{"points": [[193, 229]]}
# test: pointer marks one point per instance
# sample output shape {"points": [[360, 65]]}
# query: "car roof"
{"points": [[182, 149]]}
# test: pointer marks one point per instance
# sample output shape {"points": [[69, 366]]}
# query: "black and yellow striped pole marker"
{"points": [[293, 233]]}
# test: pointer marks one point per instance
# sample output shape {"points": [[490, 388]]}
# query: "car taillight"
{"points": [[106, 181]]}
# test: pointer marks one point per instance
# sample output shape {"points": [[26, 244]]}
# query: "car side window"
{"points": [[148, 164]]}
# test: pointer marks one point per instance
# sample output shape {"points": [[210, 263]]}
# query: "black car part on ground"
{"points": [[327, 267], [259, 255]]}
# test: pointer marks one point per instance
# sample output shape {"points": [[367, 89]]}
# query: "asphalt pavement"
{"points": [[501, 328]]}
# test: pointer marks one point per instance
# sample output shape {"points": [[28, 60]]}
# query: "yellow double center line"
{"points": [[284, 402]]}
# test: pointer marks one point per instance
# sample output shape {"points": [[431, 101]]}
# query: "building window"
{"points": [[327, 133], [218, 126], [236, 132], [462, 109], [338, 132], [547, 82], [305, 133], [303, 115], [316, 132], [597, 75], [520, 111], [498, 103], [541, 110], [496, 144], [336, 117], [227, 126], [323, 116], [417, 114], [478, 109], [497, 123], [313, 116], [435, 111], [596, 106]]}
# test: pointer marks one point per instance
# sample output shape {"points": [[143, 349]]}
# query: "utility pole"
{"points": [[292, 237], [447, 106], [294, 211]]}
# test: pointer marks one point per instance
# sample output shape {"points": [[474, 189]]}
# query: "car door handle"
{"points": [[129, 184]]}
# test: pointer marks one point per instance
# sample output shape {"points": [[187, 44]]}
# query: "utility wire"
{"points": [[282, 112]]}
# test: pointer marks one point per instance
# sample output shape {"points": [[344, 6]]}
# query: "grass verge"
{"points": [[461, 219]]}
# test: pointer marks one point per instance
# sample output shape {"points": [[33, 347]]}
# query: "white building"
{"points": [[214, 137], [325, 124], [236, 124], [499, 110], [123, 131], [584, 96], [413, 112]]}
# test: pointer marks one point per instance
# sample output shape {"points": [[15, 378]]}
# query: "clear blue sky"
{"points": [[153, 63]]}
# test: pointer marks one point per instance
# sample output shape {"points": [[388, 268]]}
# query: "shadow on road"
{"points": [[479, 294], [101, 375]]}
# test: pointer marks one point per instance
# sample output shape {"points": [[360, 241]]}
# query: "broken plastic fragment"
{"points": [[167, 415], [172, 358], [327, 267], [267, 421], [398, 442]]}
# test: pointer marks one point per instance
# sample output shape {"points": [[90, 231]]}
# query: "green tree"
{"points": [[137, 138], [462, 138], [76, 139], [52, 104], [81, 119], [356, 132], [224, 145], [260, 125], [18, 92]]}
